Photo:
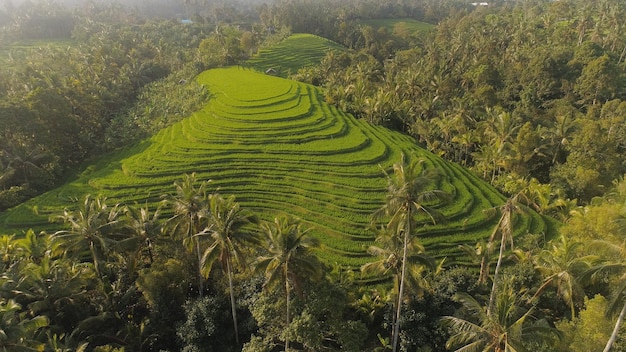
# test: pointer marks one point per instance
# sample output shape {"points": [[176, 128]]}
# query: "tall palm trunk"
{"points": [[484, 269], [504, 227], [200, 278], [198, 255], [618, 323], [232, 299], [288, 301], [492, 296], [96, 259], [396, 328]]}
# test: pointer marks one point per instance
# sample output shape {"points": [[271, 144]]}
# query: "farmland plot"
{"points": [[297, 51], [279, 148]]}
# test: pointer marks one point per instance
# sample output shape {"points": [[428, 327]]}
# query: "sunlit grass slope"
{"points": [[276, 146], [411, 25], [295, 52], [16, 52]]}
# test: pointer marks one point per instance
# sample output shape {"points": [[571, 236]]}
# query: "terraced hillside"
{"points": [[17, 51], [276, 146], [410, 25], [293, 53]]}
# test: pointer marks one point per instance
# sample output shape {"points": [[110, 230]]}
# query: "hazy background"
{"points": [[143, 8]]}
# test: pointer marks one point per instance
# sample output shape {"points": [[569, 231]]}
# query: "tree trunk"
{"points": [[232, 299], [198, 254], [492, 296], [484, 269], [96, 259], [618, 323], [288, 317], [396, 328], [200, 278]]}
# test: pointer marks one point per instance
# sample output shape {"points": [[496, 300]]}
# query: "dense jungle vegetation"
{"points": [[529, 95]]}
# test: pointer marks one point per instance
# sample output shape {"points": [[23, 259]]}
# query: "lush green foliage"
{"points": [[277, 147], [519, 91], [67, 95], [400, 26], [294, 53]]}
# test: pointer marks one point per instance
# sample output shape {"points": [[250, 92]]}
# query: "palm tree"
{"points": [[614, 264], [481, 253], [559, 133], [143, 228], [502, 329], [561, 265], [289, 259], [504, 229], [407, 197], [500, 129], [17, 331], [190, 206], [22, 167], [10, 251], [390, 252], [228, 240], [93, 227], [35, 247]]}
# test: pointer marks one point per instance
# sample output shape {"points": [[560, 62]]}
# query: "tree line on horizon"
{"points": [[520, 93]]}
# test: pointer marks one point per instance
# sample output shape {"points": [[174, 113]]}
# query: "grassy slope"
{"points": [[17, 51], [279, 148], [415, 27], [295, 52]]}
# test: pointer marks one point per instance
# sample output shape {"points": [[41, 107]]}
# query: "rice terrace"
{"points": [[295, 52], [312, 175], [277, 147]]}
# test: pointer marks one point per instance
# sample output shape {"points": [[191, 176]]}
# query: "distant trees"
{"points": [[98, 86], [533, 105]]}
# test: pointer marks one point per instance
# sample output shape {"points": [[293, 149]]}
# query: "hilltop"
{"points": [[279, 148], [295, 52]]}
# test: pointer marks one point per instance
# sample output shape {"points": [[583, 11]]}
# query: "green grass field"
{"points": [[293, 53], [17, 51], [279, 148], [414, 27]]}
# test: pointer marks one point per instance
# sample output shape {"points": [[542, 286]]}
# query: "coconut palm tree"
{"points": [[17, 331], [289, 260], [22, 167], [409, 194], [613, 265], [190, 205], [561, 265], [481, 253], [93, 227], [504, 230], [504, 328], [390, 250], [143, 228], [228, 239]]}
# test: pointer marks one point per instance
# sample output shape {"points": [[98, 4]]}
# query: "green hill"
{"points": [[295, 52], [279, 148], [410, 25], [17, 51]]}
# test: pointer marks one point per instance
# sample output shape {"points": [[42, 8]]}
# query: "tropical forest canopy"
{"points": [[190, 201]]}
